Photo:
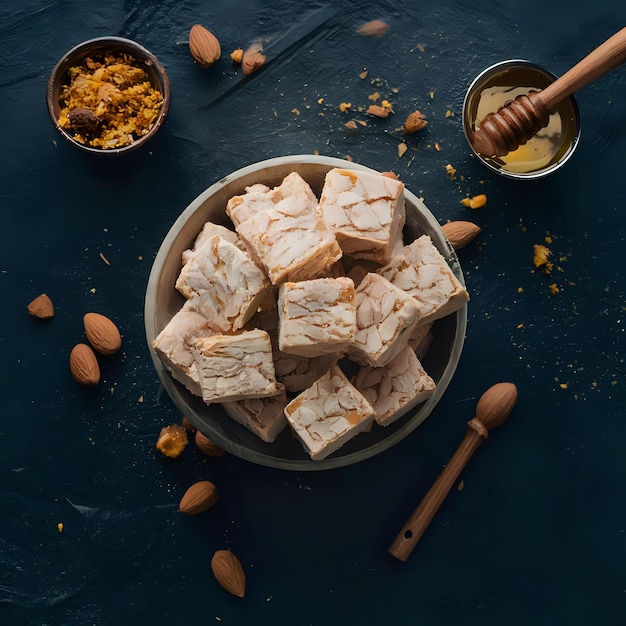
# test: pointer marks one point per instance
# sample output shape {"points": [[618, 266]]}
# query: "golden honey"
{"points": [[550, 147]]}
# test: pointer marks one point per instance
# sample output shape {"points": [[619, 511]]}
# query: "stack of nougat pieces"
{"points": [[275, 307]]}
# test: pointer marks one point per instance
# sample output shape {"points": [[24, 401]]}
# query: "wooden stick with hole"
{"points": [[493, 407]]}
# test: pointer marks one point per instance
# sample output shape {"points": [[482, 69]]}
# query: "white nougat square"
{"points": [[365, 210], [328, 414], [316, 317]]}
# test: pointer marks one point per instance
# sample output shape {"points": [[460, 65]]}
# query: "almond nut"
{"points": [[252, 58], [204, 46], [228, 572], [102, 333], [198, 498], [415, 121], [41, 307], [460, 233], [84, 365], [172, 440], [206, 446]]}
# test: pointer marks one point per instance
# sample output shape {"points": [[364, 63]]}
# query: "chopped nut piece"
{"points": [[351, 125], [253, 58], [475, 202], [414, 122], [344, 107], [373, 28], [377, 110], [172, 440], [237, 55], [41, 307], [402, 148], [451, 171]]}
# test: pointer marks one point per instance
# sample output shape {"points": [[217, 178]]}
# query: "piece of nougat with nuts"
{"points": [[223, 283], [385, 318], [293, 190], [328, 414], [396, 388], [423, 272], [174, 345], [365, 210], [235, 367], [265, 417], [290, 246], [316, 316]]}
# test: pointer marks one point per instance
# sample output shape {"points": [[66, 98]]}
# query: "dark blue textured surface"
{"points": [[537, 535]]}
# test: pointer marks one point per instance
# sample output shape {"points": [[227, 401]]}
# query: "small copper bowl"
{"points": [[95, 48]]}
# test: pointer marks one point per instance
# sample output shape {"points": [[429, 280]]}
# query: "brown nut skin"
{"points": [[459, 233], [206, 446], [253, 58], [84, 365], [103, 335], [228, 572], [204, 46], [200, 497], [41, 307]]}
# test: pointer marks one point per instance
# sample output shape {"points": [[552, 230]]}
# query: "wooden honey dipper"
{"points": [[516, 122], [492, 410]]}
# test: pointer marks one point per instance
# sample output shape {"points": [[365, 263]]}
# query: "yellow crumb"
{"points": [[563, 385], [344, 107], [374, 97], [60, 527], [451, 171], [541, 257], [553, 289]]}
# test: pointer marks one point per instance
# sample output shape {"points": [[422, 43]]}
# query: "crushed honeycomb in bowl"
{"points": [[117, 90]]}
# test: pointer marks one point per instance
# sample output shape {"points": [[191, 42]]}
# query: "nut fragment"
{"points": [[377, 110], [198, 498], [84, 365], [373, 28], [204, 46], [253, 58], [228, 572], [102, 333], [172, 441], [415, 121], [460, 233], [83, 119], [475, 202], [206, 446], [237, 55], [41, 307]]}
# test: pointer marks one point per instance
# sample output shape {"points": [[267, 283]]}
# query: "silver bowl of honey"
{"points": [[546, 151]]}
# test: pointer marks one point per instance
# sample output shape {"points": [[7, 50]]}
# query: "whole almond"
{"points": [[252, 58], [41, 307], [84, 365], [102, 333], [204, 46], [460, 233], [198, 498], [229, 573], [206, 446]]}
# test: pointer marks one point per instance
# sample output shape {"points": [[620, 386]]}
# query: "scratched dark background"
{"points": [[537, 535]]}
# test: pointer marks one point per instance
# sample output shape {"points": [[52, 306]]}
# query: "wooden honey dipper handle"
{"points": [[493, 407], [514, 124], [603, 59]]}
